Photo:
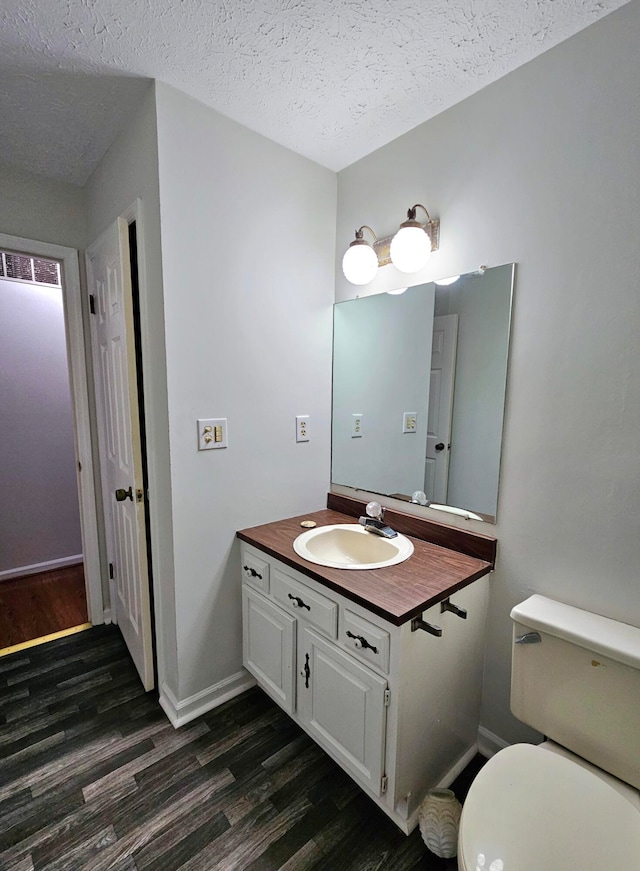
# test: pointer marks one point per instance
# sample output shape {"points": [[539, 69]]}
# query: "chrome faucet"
{"points": [[375, 521]]}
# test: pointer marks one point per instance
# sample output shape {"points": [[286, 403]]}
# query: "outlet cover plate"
{"points": [[410, 421], [302, 428]]}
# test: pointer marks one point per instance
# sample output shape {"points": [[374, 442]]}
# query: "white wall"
{"points": [[129, 170], [34, 207], [381, 369], [541, 168], [39, 513], [248, 235]]}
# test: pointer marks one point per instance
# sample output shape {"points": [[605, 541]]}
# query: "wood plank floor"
{"points": [[93, 776], [41, 604]]}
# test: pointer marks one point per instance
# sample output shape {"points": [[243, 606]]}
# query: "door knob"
{"points": [[121, 494], [440, 446]]}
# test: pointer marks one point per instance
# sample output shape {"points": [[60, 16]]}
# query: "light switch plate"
{"points": [[409, 421], [302, 428], [357, 426], [212, 433]]}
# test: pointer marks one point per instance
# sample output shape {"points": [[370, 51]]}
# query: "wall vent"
{"points": [[35, 270]]}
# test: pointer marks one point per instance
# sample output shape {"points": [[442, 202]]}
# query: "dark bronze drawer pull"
{"points": [[297, 602], [307, 671], [252, 572], [361, 642]]}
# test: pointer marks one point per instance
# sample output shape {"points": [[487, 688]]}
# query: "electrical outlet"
{"points": [[409, 421], [212, 433], [357, 426], [302, 428]]}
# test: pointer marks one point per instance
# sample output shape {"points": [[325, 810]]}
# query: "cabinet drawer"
{"points": [[314, 608], [255, 569], [365, 640]]}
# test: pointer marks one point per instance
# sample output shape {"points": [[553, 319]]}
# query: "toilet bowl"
{"points": [[532, 809], [573, 802]]}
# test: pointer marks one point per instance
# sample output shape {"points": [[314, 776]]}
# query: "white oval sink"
{"points": [[350, 546]]}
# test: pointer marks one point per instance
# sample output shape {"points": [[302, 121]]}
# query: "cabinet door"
{"points": [[342, 705], [268, 647]]}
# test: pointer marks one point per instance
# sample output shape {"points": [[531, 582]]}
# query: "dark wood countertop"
{"points": [[396, 593]]}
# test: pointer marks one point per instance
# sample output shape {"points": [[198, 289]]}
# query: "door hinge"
{"points": [[383, 784], [387, 698], [92, 304], [110, 571]]}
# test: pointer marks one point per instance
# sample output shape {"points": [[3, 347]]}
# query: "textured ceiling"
{"points": [[330, 79]]}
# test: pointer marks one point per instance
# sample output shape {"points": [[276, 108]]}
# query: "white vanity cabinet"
{"points": [[342, 705], [397, 709]]}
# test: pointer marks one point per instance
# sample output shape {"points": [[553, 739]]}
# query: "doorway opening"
{"points": [[42, 572]]}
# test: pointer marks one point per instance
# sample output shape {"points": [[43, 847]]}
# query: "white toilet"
{"points": [[573, 802]]}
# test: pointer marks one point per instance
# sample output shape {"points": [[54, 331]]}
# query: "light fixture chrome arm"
{"points": [[412, 245], [413, 222], [411, 213], [360, 234], [360, 262]]}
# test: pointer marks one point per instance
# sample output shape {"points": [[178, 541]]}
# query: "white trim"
{"points": [[458, 768], [489, 743], [181, 712], [408, 824], [48, 566], [112, 599], [76, 352]]}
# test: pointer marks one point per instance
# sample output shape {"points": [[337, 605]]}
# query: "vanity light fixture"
{"points": [[445, 282], [412, 245], [360, 261]]}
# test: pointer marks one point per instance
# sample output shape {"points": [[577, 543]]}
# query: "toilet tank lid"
{"points": [[610, 638]]}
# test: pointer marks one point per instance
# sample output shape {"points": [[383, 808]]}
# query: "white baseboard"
{"points": [[409, 823], [181, 712], [489, 743], [36, 568], [458, 768]]}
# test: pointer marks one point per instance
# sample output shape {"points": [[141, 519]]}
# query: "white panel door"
{"points": [[342, 705], [268, 647], [443, 368], [114, 362]]}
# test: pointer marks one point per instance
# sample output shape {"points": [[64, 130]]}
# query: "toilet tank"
{"points": [[580, 685]]}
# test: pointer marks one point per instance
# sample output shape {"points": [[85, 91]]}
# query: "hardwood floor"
{"points": [[93, 776], [41, 604]]}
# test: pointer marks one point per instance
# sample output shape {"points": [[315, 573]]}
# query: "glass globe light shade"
{"points": [[445, 282], [360, 263], [410, 249]]}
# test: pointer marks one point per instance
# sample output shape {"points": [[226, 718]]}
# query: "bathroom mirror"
{"points": [[419, 384]]}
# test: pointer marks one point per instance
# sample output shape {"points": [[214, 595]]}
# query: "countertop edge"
{"points": [[316, 573]]}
